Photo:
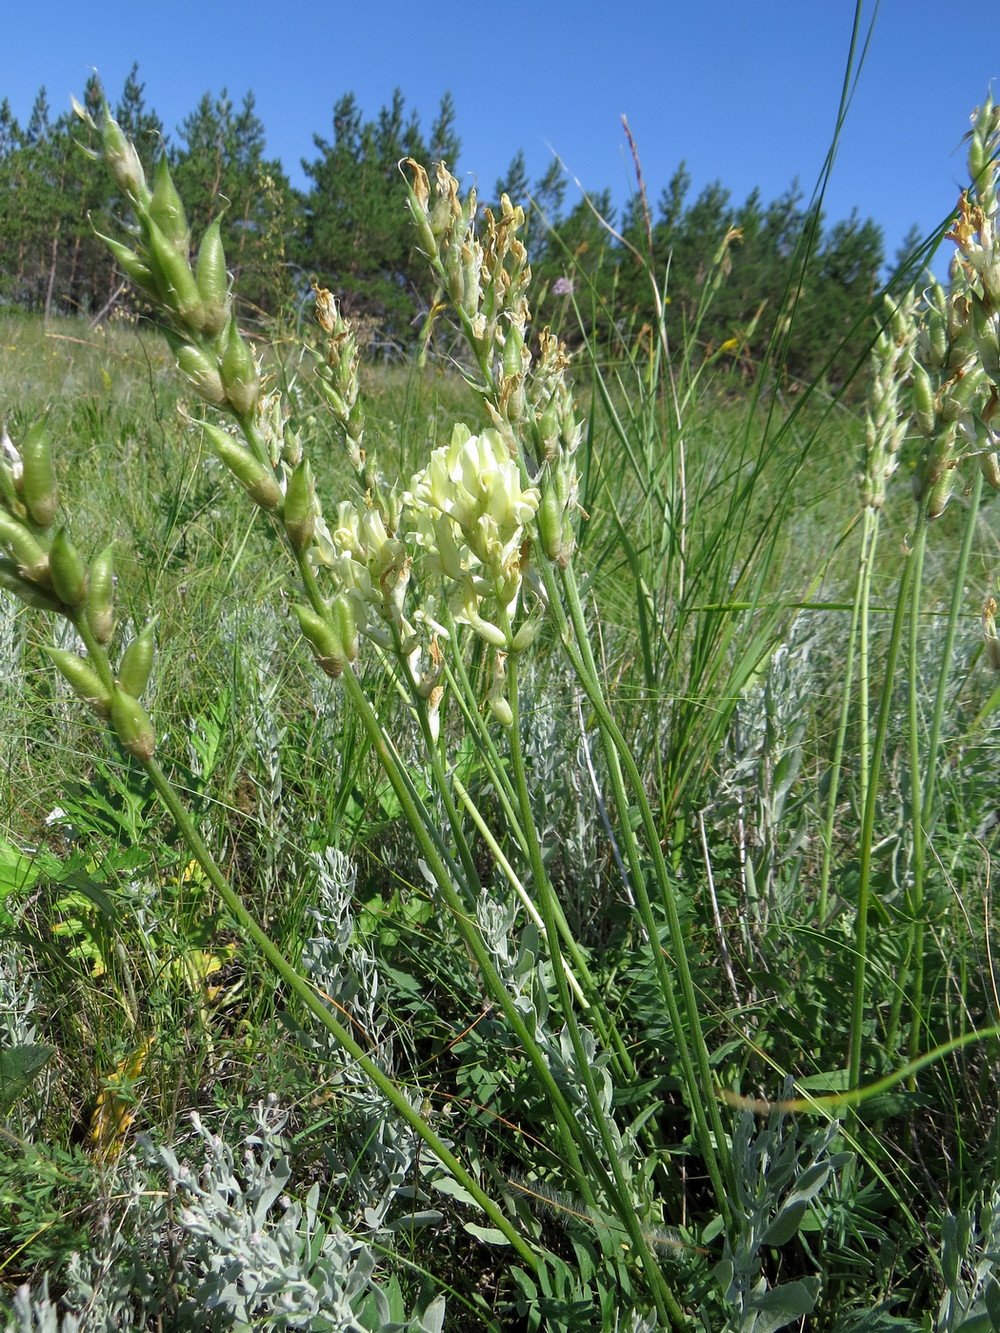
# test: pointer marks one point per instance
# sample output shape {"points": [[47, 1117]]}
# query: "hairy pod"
{"points": [[239, 373], [32, 561], [200, 369], [137, 663], [123, 160], [38, 480], [67, 570], [137, 272], [167, 210], [100, 601], [86, 683], [299, 513], [132, 725], [345, 624], [14, 582], [256, 479], [213, 280], [322, 638], [174, 279]]}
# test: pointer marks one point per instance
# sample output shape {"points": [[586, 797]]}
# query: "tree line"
{"points": [[350, 231]]}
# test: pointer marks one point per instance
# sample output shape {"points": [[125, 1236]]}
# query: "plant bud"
{"points": [[327, 648], [32, 561], [299, 513], [132, 726], [99, 605], [239, 373], [253, 476], [87, 685], [213, 280], [137, 663], [167, 210], [14, 582], [38, 480], [68, 572]]}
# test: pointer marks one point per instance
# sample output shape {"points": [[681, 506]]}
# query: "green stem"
{"points": [[858, 634], [307, 996], [697, 1074], [620, 1196], [869, 810]]}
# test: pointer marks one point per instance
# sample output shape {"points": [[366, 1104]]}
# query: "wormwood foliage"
{"points": [[576, 949]]}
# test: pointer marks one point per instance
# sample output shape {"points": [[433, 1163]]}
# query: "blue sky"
{"points": [[745, 92]]}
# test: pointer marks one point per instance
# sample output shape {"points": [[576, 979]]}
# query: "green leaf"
{"points": [[786, 1224], [488, 1235], [18, 1067]]}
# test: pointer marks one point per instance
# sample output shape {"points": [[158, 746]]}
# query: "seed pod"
{"points": [[174, 279], [299, 514], [86, 683], [138, 273], [940, 493], [213, 280], [239, 373], [9, 490], [137, 663], [38, 480], [32, 561], [69, 574], [167, 210], [99, 606], [200, 370], [14, 582], [923, 399], [342, 611], [123, 160], [549, 520], [132, 726], [989, 465], [253, 476], [326, 646]]}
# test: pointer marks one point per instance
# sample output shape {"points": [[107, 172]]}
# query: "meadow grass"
{"points": [[630, 971]]}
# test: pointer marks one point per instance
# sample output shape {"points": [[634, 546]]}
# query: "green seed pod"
{"points": [[923, 400], [326, 646], [137, 663], [299, 513], [9, 493], [14, 582], [123, 160], [87, 685], [253, 476], [132, 726], [213, 280], [239, 373], [167, 210], [69, 573], [513, 344], [138, 273], [989, 465], [32, 561], [940, 493], [200, 370], [346, 625], [99, 606], [174, 279], [549, 520], [38, 480]]}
